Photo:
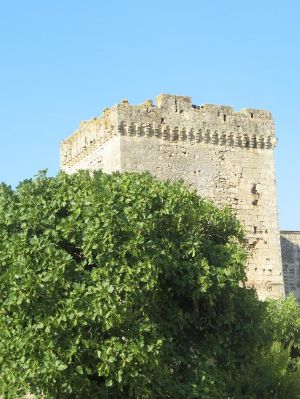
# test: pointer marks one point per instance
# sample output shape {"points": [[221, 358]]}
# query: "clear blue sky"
{"points": [[62, 61]]}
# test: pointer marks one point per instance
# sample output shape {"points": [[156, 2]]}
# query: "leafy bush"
{"points": [[285, 317], [123, 286], [275, 372]]}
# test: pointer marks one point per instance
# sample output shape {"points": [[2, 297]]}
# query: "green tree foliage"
{"points": [[122, 286], [285, 317], [275, 373]]}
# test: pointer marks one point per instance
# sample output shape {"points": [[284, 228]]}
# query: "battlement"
{"points": [[174, 119]]}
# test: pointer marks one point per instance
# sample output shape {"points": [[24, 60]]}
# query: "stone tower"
{"points": [[225, 155]]}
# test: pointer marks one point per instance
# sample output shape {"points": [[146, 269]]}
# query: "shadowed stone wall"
{"points": [[290, 247]]}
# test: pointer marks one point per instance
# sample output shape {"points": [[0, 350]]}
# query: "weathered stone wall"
{"points": [[290, 247], [225, 155]]}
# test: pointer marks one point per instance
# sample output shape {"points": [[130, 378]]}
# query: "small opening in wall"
{"points": [[251, 114], [254, 229], [254, 189], [162, 120], [181, 111], [255, 202], [224, 117]]}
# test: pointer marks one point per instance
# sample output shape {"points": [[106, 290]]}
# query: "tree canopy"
{"points": [[123, 286]]}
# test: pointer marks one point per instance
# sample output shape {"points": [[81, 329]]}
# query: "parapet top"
{"points": [[178, 111], [175, 118], [180, 104]]}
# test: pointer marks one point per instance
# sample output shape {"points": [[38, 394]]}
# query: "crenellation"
{"points": [[174, 118]]}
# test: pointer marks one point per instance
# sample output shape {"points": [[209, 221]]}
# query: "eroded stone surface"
{"points": [[290, 247], [225, 155]]}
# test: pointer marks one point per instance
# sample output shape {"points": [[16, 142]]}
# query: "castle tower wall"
{"points": [[226, 156], [290, 247]]}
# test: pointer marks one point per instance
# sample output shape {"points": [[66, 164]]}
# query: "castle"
{"points": [[226, 156]]}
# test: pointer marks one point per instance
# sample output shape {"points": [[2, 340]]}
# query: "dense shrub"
{"points": [[122, 286]]}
